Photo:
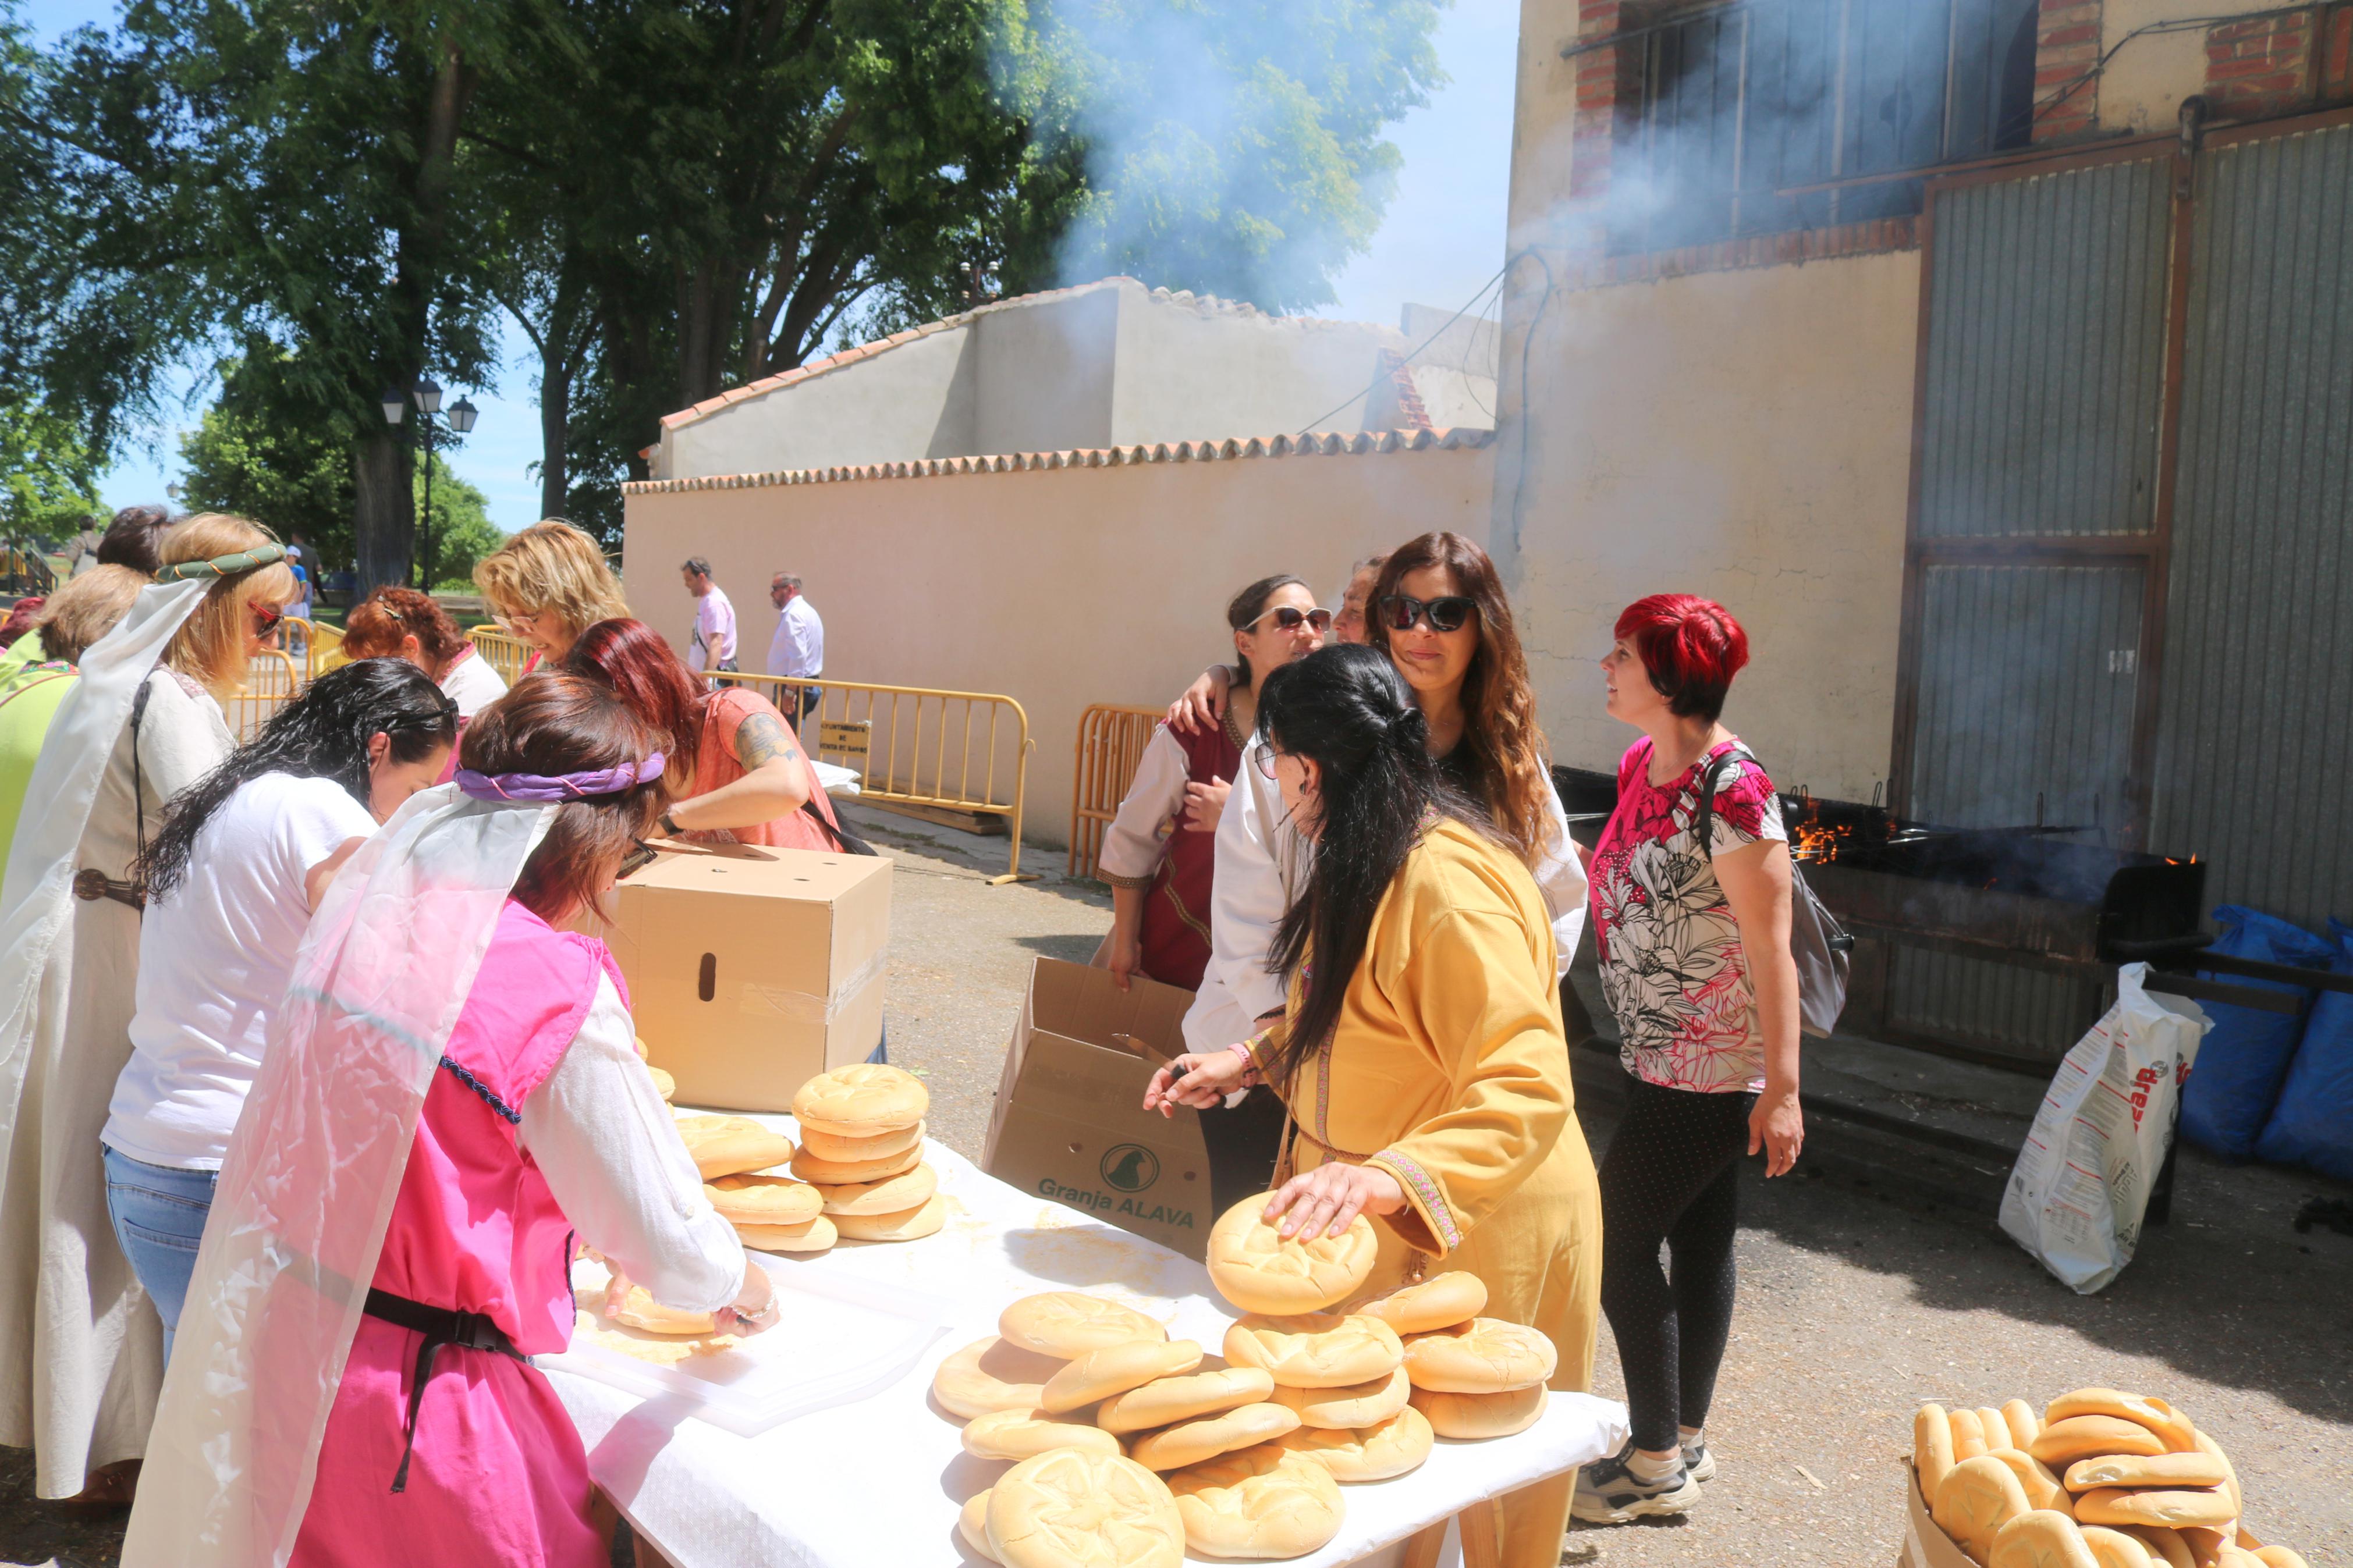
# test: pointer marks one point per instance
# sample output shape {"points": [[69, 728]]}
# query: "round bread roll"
{"points": [[1374, 1453], [731, 1145], [849, 1151], [1207, 1436], [1486, 1355], [1258, 1271], [1976, 1499], [2166, 1548], [640, 1310], [855, 1172], [988, 1375], [1019, 1433], [816, 1236], [1476, 1416], [1351, 1405], [2213, 1450], [892, 1195], [2115, 1548], [2154, 1414], [643, 1055], [1321, 1349], [1263, 1502], [912, 1224], [2024, 1424], [1969, 1436], [1074, 1507], [1067, 1324], [972, 1523], [2043, 1490], [2040, 1538], [2195, 1469], [861, 1101], [1440, 1302], [764, 1200], [2073, 1437], [2279, 1557], [664, 1084], [1932, 1451], [2206, 1508], [1173, 1399], [1114, 1368]]}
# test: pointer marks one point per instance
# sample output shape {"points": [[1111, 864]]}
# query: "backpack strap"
{"points": [[1704, 824]]}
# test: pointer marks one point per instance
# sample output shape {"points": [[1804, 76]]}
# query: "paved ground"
{"points": [[1856, 1303]]}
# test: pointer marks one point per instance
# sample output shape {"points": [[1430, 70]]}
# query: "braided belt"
{"points": [[223, 565], [91, 885]]}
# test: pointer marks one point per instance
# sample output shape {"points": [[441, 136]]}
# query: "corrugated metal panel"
{"points": [[2027, 675], [2000, 1008], [2046, 356], [2256, 736]]}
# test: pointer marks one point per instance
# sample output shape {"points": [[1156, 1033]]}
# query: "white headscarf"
{"points": [[307, 1189]]}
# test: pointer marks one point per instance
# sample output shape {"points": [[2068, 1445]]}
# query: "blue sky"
{"points": [[1440, 240]]}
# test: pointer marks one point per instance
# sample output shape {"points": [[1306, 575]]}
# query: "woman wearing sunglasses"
{"points": [[1422, 1057], [82, 1354], [1160, 856]]}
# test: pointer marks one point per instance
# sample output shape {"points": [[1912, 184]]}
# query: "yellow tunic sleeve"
{"points": [[1471, 988]]}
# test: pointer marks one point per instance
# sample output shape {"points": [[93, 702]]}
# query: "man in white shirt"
{"points": [[797, 650], [714, 619]]}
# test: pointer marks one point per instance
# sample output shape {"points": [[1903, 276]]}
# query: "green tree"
{"points": [[48, 479], [260, 451], [456, 533]]}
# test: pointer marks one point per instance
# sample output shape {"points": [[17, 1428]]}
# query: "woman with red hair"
{"points": [[745, 780], [401, 622], [1693, 924]]}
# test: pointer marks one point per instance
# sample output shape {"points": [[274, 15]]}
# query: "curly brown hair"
{"points": [[1510, 762]]}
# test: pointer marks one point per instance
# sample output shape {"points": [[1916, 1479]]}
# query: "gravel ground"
{"points": [[1855, 1306]]}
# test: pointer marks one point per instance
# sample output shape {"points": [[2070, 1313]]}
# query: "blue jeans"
{"points": [[159, 1218]]}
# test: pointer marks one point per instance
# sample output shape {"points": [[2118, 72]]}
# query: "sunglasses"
{"points": [[1451, 613], [1288, 618], [265, 617]]}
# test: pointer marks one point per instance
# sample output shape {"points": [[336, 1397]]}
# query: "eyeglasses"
{"points": [[1400, 610], [1288, 618], [1266, 755]]}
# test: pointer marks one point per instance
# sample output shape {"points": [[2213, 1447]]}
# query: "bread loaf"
{"points": [[1932, 1451], [1476, 1416], [1322, 1350], [2209, 1447], [849, 1151], [1969, 1436], [731, 1145], [1485, 1355], [1440, 1302], [2278, 1557], [2024, 1424], [2191, 1470], [638, 1309], [2043, 1489], [1976, 1499], [1262, 1502], [989, 1375], [814, 1237], [972, 1523], [2115, 1548], [1258, 1271], [664, 1084], [1019, 1433], [1350, 1406], [1206, 1436], [1067, 1324], [2205, 1543], [912, 1224], [658, 1350], [1173, 1399], [892, 1195], [2159, 1417], [855, 1172], [2073, 1437], [1114, 1368], [1073, 1507], [2040, 1538], [2165, 1547], [861, 1101], [764, 1200], [1374, 1453], [2206, 1508]]}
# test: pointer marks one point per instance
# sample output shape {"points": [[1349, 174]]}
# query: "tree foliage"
{"points": [[262, 452], [49, 475]]}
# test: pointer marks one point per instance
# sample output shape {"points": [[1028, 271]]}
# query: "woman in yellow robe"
{"points": [[1427, 1074]]}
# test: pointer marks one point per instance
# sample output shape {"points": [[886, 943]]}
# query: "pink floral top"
{"points": [[1671, 963]]}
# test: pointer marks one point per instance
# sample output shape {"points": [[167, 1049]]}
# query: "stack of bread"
{"points": [[736, 1156], [2096, 1480], [862, 1150]]}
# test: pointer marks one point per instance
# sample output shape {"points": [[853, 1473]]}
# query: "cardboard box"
{"points": [[1069, 1122], [752, 970], [1926, 1544]]}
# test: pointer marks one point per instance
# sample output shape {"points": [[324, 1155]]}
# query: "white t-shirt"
{"points": [[471, 684], [714, 631], [214, 956]]}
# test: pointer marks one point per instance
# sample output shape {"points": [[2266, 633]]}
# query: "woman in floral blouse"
{"points": [[1694, 947]]}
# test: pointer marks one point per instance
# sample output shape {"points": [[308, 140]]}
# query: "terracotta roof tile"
{"points": [[1322, 444]]}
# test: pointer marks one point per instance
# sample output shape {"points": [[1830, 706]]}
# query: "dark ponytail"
{"points": [[1244, 609], [321, 734], [1346, 708]]}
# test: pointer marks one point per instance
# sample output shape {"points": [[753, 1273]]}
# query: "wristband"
{"points": [[669, 825]]}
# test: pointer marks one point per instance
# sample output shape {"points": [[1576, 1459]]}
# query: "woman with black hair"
{"points": [[1422, 1057], [232, 876]]}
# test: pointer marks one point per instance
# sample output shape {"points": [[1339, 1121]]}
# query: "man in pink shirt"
{"points": [[713, 645]]}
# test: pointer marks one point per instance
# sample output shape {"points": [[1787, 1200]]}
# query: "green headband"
{"points": [[223, 565]]}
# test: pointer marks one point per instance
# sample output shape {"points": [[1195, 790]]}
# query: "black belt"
{"points": [[440, 1326]]}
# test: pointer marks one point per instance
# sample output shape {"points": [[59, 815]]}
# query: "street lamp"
{"points": [[462, 413]]}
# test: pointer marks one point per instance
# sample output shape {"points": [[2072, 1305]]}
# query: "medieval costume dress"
{"points": [[1448, 1070], [81, 1349]]}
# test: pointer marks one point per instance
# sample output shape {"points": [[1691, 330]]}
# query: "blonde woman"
{"points": [[548, 585], [80, 1345]]}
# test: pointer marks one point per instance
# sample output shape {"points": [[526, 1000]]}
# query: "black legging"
{"points": [[1243, 1144], [1671, 1175]]}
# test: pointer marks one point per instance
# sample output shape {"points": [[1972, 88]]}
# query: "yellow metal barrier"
{"points": [[322, 646], [1111, 747], [506, 654], [915, 747], [272, 679]]}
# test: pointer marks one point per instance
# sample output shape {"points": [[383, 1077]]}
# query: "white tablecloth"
{"points": [[881, 1480]]}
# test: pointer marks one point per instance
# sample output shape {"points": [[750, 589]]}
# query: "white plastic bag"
{"points": [[2076, 1196]]}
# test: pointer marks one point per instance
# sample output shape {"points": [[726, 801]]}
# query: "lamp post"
{"points": [[428, 394]]}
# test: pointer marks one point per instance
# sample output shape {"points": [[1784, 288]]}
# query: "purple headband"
{"points": [[556, 789]]}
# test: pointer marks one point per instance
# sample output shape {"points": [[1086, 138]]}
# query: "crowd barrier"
{"points": [[272, 679], [1110, 746], [915, 747], [505, 654]]}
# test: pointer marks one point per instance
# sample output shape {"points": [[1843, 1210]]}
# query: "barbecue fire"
{"points": [[1820, 841]]}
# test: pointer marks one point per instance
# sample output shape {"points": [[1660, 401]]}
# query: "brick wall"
{"points": [[2066, 45], [2266, 66]]}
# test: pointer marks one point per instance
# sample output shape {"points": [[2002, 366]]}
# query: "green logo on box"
{"points": [[1129, 1167]]}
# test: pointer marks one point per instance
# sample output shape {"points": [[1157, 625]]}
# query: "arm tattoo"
{"points": [[762, 739]]}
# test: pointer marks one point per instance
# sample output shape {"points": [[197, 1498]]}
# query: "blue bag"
{"points": [[2245, 1056], [2312, 1125]]}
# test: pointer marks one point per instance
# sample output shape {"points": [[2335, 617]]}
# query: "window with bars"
{"points": [[1728, 112]]}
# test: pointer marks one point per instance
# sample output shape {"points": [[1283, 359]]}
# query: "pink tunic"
{"points": [[498, 1476]]}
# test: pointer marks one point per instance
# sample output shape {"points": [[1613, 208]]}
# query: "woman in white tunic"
{"points": [[80, 1346]]}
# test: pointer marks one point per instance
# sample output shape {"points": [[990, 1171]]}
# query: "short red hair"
{"points": [[629, 659], [1691, 647]]}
